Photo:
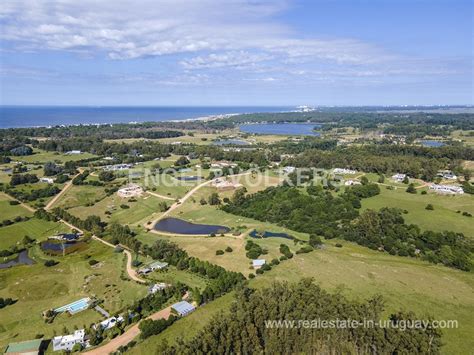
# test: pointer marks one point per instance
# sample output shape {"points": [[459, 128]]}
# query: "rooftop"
{"points": [[24, 346], [183, 307]]}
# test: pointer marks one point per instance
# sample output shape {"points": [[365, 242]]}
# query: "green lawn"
{"points": [[172, 275], [443, 217], [36, 228], [10, 212], [38, 288], [41, 156], [81, 195]]}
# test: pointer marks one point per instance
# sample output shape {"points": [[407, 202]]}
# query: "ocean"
{"points": [[33, 116]]}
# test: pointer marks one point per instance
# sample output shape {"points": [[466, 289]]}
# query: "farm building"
{"points": [[65, 236], [447, 174], [258, 263], [183, 308], [28, 347], [67, 342], [351, 182], [110, 322], [447, 189], [155, 265], [225, 185], [289, 169], [118, 167], [399, 177], [157, 287], [131, 190], [47, 180], [343, 171]]}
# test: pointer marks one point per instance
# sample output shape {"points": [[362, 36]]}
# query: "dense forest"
{"points": [[251, 326]]}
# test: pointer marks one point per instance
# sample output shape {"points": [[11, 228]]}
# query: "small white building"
{"points": [[258, 263], [447, 189], [67, 342], [447, 174], [351, 182], [224, 185], [289, 169], [399, 177], [118, 167], [157, 287], [47, 180], [131, 190], [343, 171], [71, 152], [183, 308], [109, 323]]}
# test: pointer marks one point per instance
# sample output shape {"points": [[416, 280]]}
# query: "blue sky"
{"points": [[236, 52]]}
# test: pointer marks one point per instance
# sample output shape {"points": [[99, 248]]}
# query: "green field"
{"points": [[34, 228], [443, 217], [8, 211], [38, 288], [41, 156]]}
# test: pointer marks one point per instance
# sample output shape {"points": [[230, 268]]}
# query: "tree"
{"points": [[381, 178], [406, 180], [182, 161], [364, 180], [429, 207], [315, 241], [214, 199], [411, 189], [51, 169], [106, 175]]}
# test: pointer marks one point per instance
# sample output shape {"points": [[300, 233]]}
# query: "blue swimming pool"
{"points": [[74, 307]]}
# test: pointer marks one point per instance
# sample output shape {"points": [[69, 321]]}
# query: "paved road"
{"points": [[128, 336]]}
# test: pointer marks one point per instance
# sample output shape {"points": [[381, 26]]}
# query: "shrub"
{"points": [[429, 207], [93, 262], [338, 245], [219, 252], [229, 249], [124, 207], [251, 276], [49, 263], [14, 203]]}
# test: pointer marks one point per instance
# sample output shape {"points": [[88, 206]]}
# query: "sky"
{"points": [[236, 52]]}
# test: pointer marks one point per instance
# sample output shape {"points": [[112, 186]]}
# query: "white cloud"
{"points": [[130, 29]]}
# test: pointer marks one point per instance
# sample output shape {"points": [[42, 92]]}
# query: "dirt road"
{"points": [[64, 189]]}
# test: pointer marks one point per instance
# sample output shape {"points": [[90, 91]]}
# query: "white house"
{"points": [[447, 189], [258, 263], [447, 174], [47, 180], [343, 171], [110, 322], [130, 190], [74, 152], [183, 308], [67, 342], [399, 177], [157, 287], [289, 169], [351, 182]]}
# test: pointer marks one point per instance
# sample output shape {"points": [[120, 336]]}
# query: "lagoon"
{"points": [[296, 129], [432, 143], [21, 259]]}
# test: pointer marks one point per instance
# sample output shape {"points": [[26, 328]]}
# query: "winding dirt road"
{"points": [[64, 189]]}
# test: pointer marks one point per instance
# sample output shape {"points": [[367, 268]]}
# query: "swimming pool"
{"points": [[74, 307]]}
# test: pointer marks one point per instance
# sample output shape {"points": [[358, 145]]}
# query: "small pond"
{"points": [[432, 144], [21, 259], [266, 234], [297, 129], [179, 226], [60, 248]]}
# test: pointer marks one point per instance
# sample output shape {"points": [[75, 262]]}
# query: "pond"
{"points": [[432, 144], [297, 129], [189, 178], [21, 259], [266, 234], [61, 248], [230, 142], [179, 226]]}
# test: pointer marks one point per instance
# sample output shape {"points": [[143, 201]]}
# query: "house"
{"points": [[352, 182], [399, 177], [343, 171], [447, 189], [47, 180], [67, 342], [71, 152], [223, 164], [183, 308], [28, 347], [289, 169], [155, 265], [225, 185], [131, 190], [118, 167], [68, 237], [258, 263], [109, 323], [157, 287], [447, 174]]}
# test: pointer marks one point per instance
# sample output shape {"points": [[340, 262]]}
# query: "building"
{"points": [[258, 263], [67, 342], [71, 152], [109, 323], [157, 287], [344, 171], [225, 185], [447, 189], [447, 174], [131, 190], [183, 308], [399, 177], [68, 237], [223, 164], [118, 167], [289, 169], [47, 180], [352, 182], [28, 347], [155, 265]]}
